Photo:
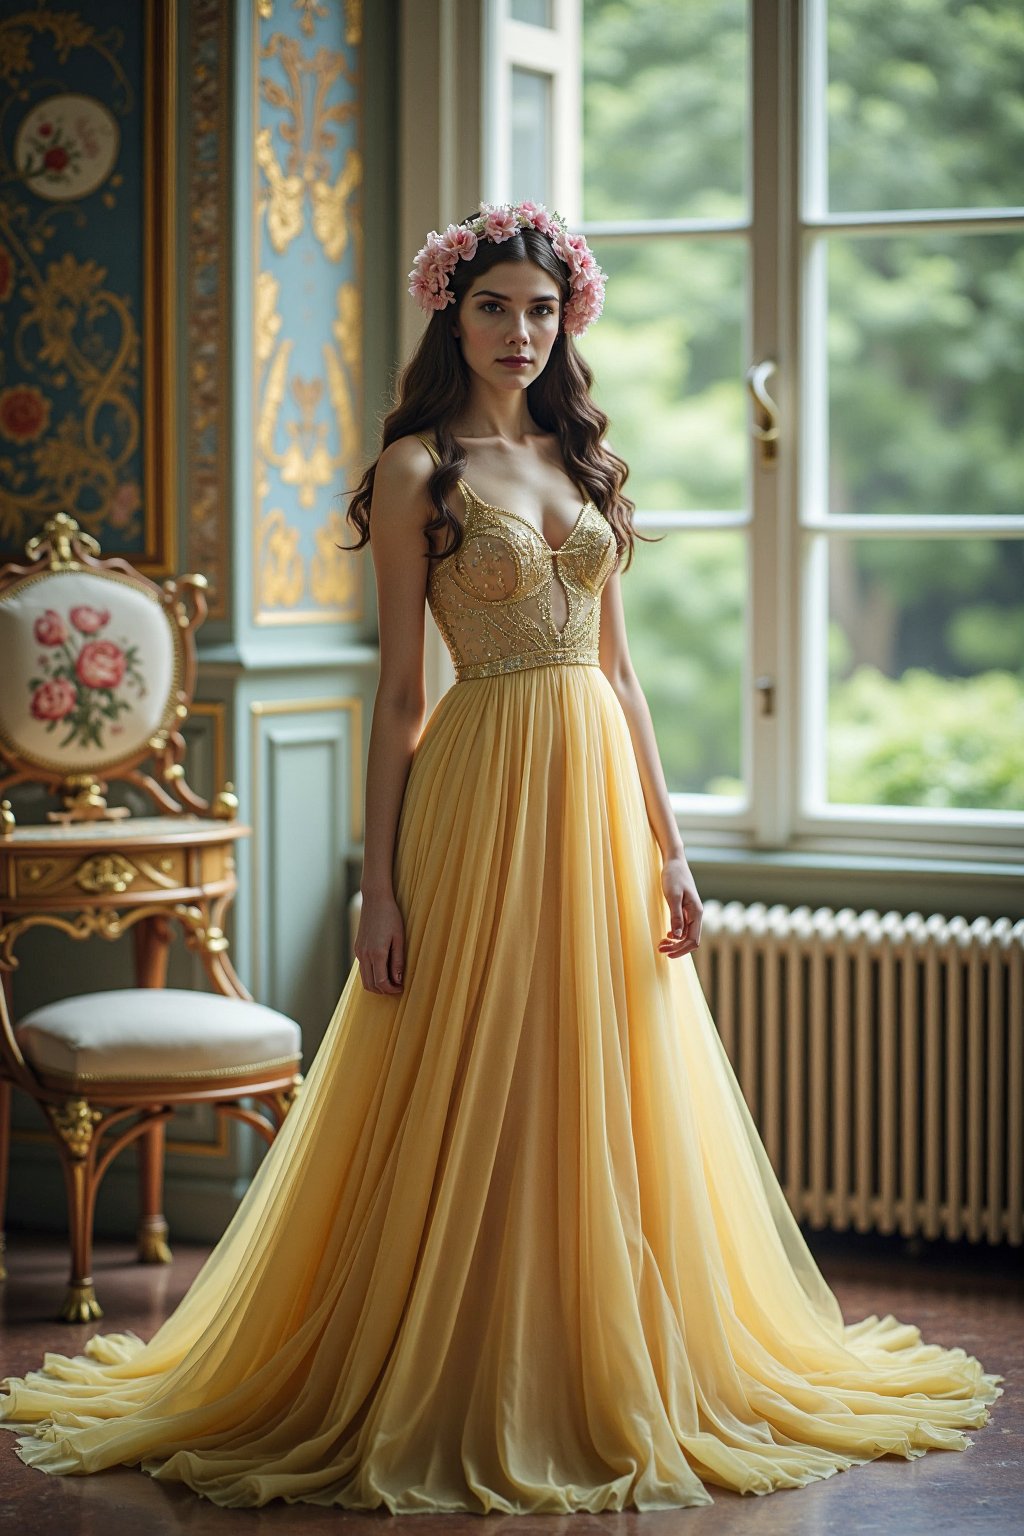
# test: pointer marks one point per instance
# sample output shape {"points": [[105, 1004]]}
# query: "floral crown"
{"points": [[436, 260]]}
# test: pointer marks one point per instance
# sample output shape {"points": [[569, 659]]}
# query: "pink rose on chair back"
{"points": [[88, 620], [49, 628], [79, 682], [54, 700], [100, 664]]}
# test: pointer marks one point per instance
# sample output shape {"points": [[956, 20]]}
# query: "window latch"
{"points": [[766, 431]]}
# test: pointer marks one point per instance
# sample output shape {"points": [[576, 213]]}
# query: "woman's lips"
{"points": [[514, 362]]}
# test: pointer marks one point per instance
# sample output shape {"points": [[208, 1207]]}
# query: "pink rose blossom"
{"points": [[426, 294], [49, 628], [536, 216], [438, 272], [54, 700], [584, 306], [438, 255], [88, 620], [462, 242], [573, 250], [100, 664], [500, 224]]}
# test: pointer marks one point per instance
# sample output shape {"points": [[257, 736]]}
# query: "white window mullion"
{"points": [[769, 741], [554, 54]]}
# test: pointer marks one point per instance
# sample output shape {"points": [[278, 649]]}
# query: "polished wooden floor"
{"points": [[968, 1296]]}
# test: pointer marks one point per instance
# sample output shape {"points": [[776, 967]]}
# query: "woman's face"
{"points": [[511, 311]]}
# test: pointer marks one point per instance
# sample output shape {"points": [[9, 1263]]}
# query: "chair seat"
{"points": [[154, 1034]]}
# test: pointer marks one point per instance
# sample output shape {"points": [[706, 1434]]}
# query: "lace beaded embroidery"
{"points": [[491, 598]]}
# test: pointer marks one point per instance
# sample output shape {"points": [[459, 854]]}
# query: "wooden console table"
{"points": [[146, 874]]}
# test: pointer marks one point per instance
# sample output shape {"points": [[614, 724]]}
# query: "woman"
{"points": [[518, 1246]]}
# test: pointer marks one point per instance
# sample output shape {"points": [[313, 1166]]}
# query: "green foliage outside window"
{"points": [[925, 352]]}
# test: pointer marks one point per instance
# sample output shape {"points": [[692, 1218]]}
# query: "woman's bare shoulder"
{"points": [[406, 462], [400, 481]]}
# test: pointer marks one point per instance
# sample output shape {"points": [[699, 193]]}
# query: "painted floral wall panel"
{"points": [[308, 307], [86, 367]]}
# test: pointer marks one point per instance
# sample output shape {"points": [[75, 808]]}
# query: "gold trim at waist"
{"points": [[567, 658]]}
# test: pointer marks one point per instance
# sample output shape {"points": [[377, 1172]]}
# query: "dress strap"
{"points": [[430, 448], [467, 495]]}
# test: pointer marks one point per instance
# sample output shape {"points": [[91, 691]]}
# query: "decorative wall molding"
{"points": [[307, 308], [208, 233]]}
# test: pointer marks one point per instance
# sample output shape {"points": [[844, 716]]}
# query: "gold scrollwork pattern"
{"points": [[105, 873], [309, 174], [77, 387]]}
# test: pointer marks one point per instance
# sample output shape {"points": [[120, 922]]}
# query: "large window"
{"points": [[811, 354]]}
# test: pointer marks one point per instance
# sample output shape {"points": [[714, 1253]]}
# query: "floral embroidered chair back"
{"points": [[97, 669]]}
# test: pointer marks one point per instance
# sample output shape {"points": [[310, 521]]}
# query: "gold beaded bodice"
{"points": [[491, 598]]}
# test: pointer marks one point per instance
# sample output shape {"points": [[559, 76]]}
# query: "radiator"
{"points": [[882, 1058]]}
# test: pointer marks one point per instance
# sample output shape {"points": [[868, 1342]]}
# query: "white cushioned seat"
{"points": [[155, 1033]]}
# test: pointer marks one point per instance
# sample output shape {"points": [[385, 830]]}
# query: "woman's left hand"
{"points": [[685, 907]]}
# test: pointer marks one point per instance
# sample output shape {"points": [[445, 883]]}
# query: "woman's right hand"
{"points": [[381, 939]]}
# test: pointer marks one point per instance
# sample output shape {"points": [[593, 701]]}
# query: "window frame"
{"points": [[786, 234]]}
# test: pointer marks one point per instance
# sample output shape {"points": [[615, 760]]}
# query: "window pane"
{"points": [[536, 11], [924, 103], [685, 600], [926, 346], [665, 109], [926, 673], [667, 355], [531, 135]]}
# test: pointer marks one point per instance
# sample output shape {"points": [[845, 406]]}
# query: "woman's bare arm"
{"points": [[677, 881], [399, 509]]}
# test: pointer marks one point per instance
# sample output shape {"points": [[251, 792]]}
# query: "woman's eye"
{"points": [[542, 309]]}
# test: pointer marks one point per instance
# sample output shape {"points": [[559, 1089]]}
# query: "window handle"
{"points": [[767, 430], [764, 687]]}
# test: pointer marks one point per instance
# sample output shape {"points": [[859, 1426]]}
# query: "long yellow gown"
{"points": [[518, 1246]]}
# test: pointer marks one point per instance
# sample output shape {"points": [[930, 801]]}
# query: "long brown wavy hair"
{"points": [[434, 386]]}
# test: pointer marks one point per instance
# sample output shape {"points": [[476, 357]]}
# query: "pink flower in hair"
{"points": [[436, 256], [497, 222], [460, 241], [427, 294], [585, 305], [535, 216], [573, 250], [500, 224]]}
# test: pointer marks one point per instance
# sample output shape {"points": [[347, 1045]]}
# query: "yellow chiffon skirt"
{"points": [[518, 1246]]}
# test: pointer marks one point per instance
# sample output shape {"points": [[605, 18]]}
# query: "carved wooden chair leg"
{"points": [[5, 1152], [152, 1232], [75, 1126]]}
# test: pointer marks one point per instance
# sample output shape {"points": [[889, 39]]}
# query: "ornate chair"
{"points": [[96, 682]]}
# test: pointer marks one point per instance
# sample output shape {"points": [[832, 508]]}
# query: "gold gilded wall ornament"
{"points": [[284, 195], [332, 575], [306, 130], [330, 206], [281, 573], [307, 418], [268, 317]]}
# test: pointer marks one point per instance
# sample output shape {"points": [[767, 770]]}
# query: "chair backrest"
{"points": [[97, 672]]}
